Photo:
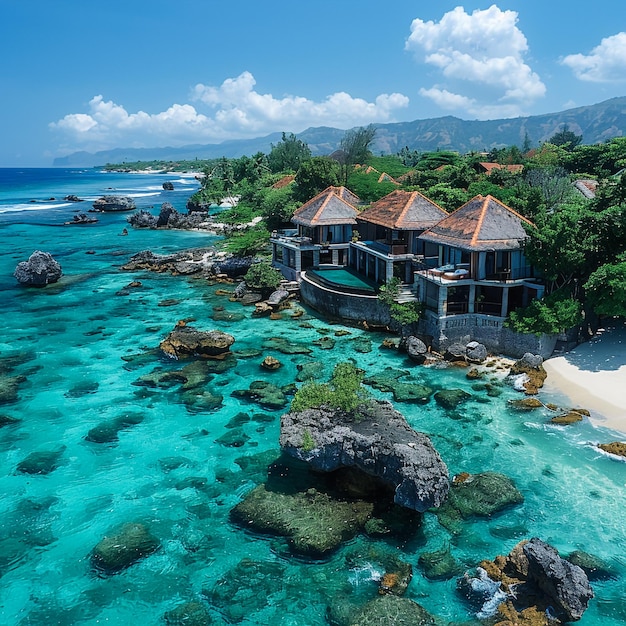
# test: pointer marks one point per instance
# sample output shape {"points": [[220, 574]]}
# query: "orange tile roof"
{"points": [[404, 210], [482, 223], [334, 205]]}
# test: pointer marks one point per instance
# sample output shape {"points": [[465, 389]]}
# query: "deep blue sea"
{"points": [[75, 352]]}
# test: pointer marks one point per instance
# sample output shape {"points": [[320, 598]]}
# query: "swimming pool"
{"points": [[344, 278]]}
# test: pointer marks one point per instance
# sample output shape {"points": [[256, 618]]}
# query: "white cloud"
{"points": [[606, 62], [481, 57], [234, 110]]}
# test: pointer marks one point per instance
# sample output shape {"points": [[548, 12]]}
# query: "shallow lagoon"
{"points": [[74, 345]]}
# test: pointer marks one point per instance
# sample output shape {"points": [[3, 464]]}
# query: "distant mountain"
{"points": [[596, 123]]}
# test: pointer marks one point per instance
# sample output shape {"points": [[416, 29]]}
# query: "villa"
{"points": [[324, 231], [467, 268]]}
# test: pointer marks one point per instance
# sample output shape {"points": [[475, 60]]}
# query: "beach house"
{"points": [[389, 235], [324, 229], [481, 272]]}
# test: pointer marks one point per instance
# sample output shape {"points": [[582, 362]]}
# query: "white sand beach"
{"points": [[593, 376]]}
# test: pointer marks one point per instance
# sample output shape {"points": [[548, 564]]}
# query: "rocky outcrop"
{"points": [[114, 203], [40, 270], [185, 341], [618, 448], [196, 261], [565, 585], [168, 185], [532, 577], [116, 552], [531, 366], [378, 441]]}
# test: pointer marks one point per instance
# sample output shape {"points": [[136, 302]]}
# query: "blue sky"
{"points": [[98, 75]]}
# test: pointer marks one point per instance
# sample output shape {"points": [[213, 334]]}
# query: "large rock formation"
{"points": [[532, 576], [531, 366], [185, 341], [378, 441], [40, 270], [114, 203]]}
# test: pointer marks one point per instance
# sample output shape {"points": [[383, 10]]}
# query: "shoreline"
{"points": [[593, 376]]}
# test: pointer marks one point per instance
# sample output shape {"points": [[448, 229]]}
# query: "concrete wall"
{"points": [[486, 329], [344, 306]]}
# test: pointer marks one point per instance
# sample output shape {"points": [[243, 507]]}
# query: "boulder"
{"points": [[185, 341], [379, 442], [455, 352], [531, 365], [118, 551], [114, 203], [618, 448], [142, 219], [566, 585], [277, 297], [168, 185], [416, 349], [475, 352], [440, 564], [535, 579], [271, 363], [40, 270]]}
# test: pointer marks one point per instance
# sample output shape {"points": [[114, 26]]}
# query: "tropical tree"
{"points": [[606, 289], [314, 176], [288, 154], [566, 138], [355, 148]]}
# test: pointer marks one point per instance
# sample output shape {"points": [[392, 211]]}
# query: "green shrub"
{"points": [[343, 392], [263, 276], [552, 314]]}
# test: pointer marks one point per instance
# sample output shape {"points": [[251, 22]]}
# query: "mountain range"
{"points": [[596, 123]]}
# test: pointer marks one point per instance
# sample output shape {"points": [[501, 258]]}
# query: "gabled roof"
{"points": [[334, 205], [489, 167], [284, 181], [404, 210], [483, 223]]}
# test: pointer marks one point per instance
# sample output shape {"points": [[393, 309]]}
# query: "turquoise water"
{"points": [[76, 346]]}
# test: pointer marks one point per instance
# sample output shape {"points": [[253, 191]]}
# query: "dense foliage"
{"points": [[402, 313], [553, 314], [263, 276], [343, 392]]}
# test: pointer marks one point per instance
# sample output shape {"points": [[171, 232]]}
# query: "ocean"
{"points": [[81, 356]]}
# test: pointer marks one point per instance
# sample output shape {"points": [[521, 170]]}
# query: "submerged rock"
{"points": [[479, 495], [40, 270], [391, 610], [42, 462], [188, 614], [264, 393], [116, 552], [451, 398], [593, 566], [440, 564], [313, 522], [9, 388], [378, 441], [246, 589]]}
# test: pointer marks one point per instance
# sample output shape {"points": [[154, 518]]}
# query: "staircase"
{"points": [[405, 293]]}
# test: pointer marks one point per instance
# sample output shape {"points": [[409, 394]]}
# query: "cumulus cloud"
{"points": [[605, 64], [481, 58], [234, 110]]}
